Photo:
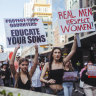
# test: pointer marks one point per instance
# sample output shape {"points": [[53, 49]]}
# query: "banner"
{"points": [[24, 31], [7, 91], [91, 70], [70, 76], [76, 21]]}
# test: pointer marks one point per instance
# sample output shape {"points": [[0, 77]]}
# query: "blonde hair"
{"points": [[70, 66]]}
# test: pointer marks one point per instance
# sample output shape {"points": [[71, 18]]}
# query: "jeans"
{"points": [[67, 86], [57, 93]]}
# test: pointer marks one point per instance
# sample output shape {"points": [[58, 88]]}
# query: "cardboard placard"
{"points": [[70, 76], [24, 31], [76, 21]]}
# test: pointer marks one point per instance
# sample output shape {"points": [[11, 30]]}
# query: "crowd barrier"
{"points": [[7, 91]]}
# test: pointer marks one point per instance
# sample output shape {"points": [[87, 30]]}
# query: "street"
{"points": [[79, 91]]}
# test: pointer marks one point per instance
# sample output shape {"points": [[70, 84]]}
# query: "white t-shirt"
{"points": [[36, 78]]}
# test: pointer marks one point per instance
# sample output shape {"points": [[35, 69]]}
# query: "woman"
{"points": [[23, 77], [89, 83], [5, 74], [68, 85], [55, 70]]}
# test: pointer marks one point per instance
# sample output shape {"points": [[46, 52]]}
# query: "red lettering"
{"points": [[67, 21], [64, 13], [83, 20], [82, 12], [73, 28], [69, 14], [60, 15], [65, 28], [80, 27], [89, 11], [85, 12], [89, 26]]}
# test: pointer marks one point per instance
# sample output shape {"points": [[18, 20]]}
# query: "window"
{"points": [[62, 40], [82, 34], [94, 15], [71, 38], [95, 2], [45, 24], [70, 4], [45, 9], [39, 9], [45, 49], [80, 3]]}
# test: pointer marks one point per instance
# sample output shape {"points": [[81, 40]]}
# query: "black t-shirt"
{"points": [[57, 75], [86, 80]]}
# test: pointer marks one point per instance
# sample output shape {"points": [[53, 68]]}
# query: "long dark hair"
{"points": [[51, 56], [18, 74], [70, 66]]}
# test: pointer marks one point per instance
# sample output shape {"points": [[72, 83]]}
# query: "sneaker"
{"points": [[75, 90]]}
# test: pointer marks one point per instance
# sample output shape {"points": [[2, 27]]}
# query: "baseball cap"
{"points": [[85, 63]]}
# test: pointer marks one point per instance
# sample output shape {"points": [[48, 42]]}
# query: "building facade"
{"points": [[88, 41], [59, 40], [43, 10]]}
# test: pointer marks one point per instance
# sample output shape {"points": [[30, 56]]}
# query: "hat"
{"points": [[4, 63], [85, 63]]}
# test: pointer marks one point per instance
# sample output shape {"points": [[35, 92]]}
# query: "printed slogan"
{"points": [[24, 31], [76, 21]]}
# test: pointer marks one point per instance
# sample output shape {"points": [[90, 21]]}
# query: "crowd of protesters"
{"points": [[47, 77]]}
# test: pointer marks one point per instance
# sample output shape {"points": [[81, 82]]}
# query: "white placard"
{"points": [[76, 21], [24, 31], [3, 56], [70, 76], [91, 70]]}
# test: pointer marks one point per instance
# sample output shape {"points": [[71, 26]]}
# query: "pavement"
{"points": [[79, 91]]}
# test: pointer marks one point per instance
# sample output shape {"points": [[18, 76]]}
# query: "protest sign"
{"points": [[24, 31], [91, 70], [76, 21], [70, 76], [3, 56]]}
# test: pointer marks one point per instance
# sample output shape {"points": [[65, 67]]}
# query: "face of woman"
{"points": [[56, 54], [4, 66], [24, 66], [90, 63]]}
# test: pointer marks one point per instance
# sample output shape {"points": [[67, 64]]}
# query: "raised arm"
{"points": [[33, 68], [12, 61], [73, 50]]}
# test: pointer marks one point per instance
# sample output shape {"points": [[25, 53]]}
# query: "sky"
{"points": [[9, 9], [57, 5], [14, 9]]}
